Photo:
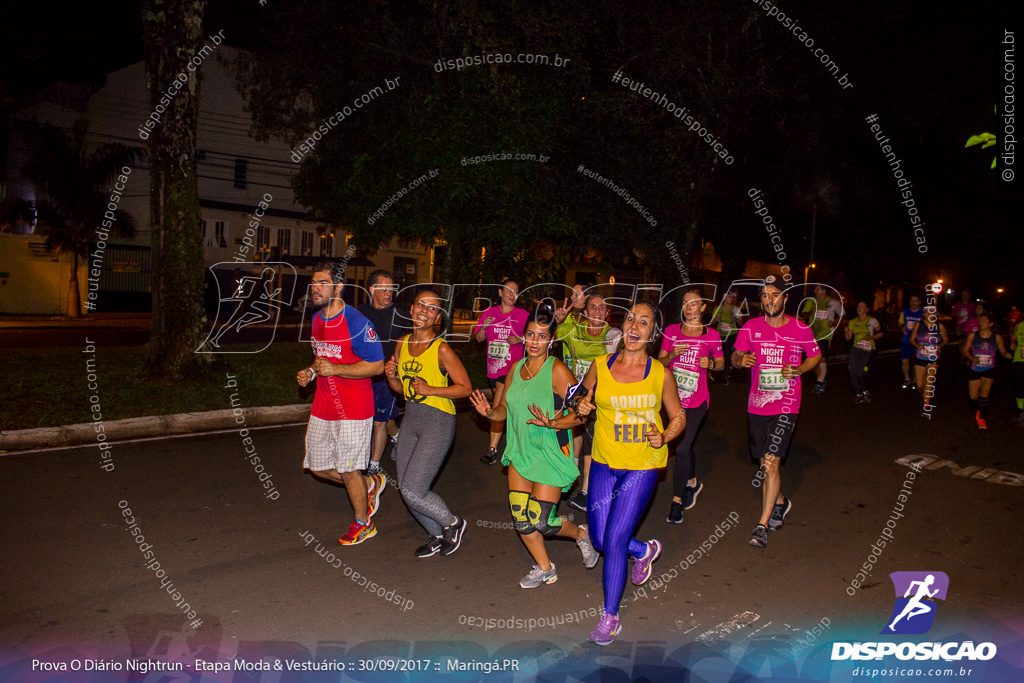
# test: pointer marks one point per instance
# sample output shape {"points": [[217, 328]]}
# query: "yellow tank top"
{"points": [[426, 367], [623, 412]]}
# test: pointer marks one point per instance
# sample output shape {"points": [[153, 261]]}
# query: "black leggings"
{"points": [[686, 467]]}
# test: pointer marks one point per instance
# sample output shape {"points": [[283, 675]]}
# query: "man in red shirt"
{"points": [[348, 353]]}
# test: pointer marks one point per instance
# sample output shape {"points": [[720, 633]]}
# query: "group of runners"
{"points": [[978, 344], [596, 411]]}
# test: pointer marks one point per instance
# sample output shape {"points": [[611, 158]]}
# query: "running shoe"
{"points": [[867, 396], [982, 424], [675, 513], [690, 494], [538, 577], [590, 556], [579, 501], [1018, 415], [779, 513], [377, 485], [606, 630], [858, 399], [357, 533], [759, 537], [491, 457], [394, 445], [819, 387], [642, 567], [430, 548], [451, 536]]}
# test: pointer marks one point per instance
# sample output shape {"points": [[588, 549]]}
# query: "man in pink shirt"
{"points": [[771, 346]]}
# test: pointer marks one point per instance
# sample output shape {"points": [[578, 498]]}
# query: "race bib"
{"points": [[724, 328], [984, 361], [821, 315], [771, 379], [582, 367], [686, 380], [963, 315], [498, 350], [864, 344], [930, 351]]}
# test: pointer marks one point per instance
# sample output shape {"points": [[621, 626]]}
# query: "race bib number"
{"points": [[724, 328], [771, 379], [821, 315], [984, 361], [930, 351], [962, 315], [864, 344], [497, 350], [582, 367], [686, 380]]}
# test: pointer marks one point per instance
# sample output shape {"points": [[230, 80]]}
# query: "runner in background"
{"points": [[862, 331], [963, 311], [980, 348], [502, 327], [727, 320], [772, 346], [584, 338], [822, 314], [689, 350], [539, 459], [928, 336], [1017, 344], [386, 319], [908, 319]]}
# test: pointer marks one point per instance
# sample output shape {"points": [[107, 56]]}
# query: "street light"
{"points": [[806, 270]]}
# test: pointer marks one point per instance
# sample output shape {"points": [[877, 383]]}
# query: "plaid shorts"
{"points": [[343, 445]]}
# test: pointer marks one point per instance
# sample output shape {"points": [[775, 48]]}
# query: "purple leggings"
{"points": [[615, 501]]}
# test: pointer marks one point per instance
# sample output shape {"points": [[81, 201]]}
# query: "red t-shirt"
{"points": [[345, 339]]}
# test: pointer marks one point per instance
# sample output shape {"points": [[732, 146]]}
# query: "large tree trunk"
{"points": [[172, 31]]}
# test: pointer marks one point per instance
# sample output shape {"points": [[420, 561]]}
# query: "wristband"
{"points": [[313, 371]]}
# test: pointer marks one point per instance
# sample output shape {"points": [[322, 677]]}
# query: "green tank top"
{"points": [[1018, 354], [534, 450]]}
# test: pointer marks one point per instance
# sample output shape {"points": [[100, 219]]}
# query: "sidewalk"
{"points": [[142, 321]]}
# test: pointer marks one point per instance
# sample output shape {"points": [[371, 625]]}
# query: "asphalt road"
{"points": [[74, 584]]}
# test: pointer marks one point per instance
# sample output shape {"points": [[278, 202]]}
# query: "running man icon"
{"points": [[926, 588]]}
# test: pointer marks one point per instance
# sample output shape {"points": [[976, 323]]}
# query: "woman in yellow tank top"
{"points": [[627, 391], [421, 369]]}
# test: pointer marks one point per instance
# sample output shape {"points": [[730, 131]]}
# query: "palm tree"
{"points": [[74, 188]]}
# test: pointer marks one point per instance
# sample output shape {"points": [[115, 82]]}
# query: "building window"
{"points": [[241, 165], [284, 240], [203, 227], [327, 245], [307, 243], [220, 230]]}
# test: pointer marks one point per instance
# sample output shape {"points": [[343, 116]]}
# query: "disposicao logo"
{"points": [[913, 614], [915, 608]]}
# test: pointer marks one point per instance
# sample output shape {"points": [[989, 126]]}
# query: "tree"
{"points": [[172, 31], [74, 187]]}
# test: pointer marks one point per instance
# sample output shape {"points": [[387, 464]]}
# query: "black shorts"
{"points": [[492, 382], [924, 362], [825, 345], [770, 434], [981, 374]]}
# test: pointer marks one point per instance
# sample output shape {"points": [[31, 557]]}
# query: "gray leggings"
{"points": [[423, 443]]}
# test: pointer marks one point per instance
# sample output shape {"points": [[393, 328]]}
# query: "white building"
{"points": [[236, 173]]}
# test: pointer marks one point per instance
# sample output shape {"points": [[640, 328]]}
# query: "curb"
{"points": [[158, 425], [85, 434]]}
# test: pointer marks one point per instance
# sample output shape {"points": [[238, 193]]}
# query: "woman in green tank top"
{"points": [[540, 462]]}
